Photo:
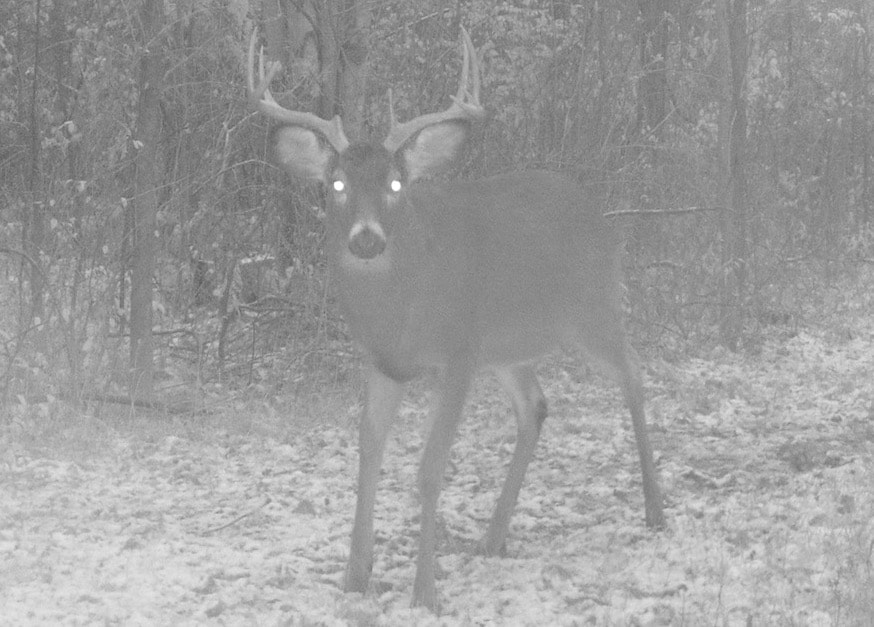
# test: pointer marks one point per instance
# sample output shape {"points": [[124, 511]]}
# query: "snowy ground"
{"points": [[766, 464]]}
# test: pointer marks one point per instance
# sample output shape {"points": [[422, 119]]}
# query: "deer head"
{"points": [[366, 179]]}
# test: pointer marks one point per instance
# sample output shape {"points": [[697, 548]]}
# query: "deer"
{"points": [[453, 277]]}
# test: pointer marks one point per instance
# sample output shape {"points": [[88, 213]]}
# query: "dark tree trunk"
{"points": [[35, 218], [653, 49], [731, 16], [145, 201]]}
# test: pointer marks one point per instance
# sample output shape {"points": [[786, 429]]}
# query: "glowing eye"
{"points": [[338, 186], [395, 185]]}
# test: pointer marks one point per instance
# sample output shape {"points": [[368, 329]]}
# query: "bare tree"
{"points": [[355, 24], [35, 219], [144, 205], [731, 17], [653, 49]]}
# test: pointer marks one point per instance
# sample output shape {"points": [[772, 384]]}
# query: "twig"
{"points": [[174, 408], [30, 260], [267, 501], [660, 212], [155, 332]]}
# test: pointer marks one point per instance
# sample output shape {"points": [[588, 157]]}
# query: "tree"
{"points": [[355, 24], [143, 207], [653, 48], [731, 21], [35, 218]]}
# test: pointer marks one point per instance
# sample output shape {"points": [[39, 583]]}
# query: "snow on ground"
{"points": [[766, 464]]}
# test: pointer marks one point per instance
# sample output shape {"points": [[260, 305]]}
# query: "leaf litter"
{"points": [[765, 460]]}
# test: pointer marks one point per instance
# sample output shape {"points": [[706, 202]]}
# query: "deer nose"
{"points": [[366, 242]]}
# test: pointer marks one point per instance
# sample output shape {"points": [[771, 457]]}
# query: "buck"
{"points": [[455, 277]]}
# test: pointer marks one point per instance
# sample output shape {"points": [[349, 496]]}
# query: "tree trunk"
{"points": [[353, 77], [731, 16], [863, 214], [653, 49], [329, 58], [145, 202], [65, 106], [34, 219]]}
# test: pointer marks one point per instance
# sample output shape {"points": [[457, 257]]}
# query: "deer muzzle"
{"points": [[366, 240]]}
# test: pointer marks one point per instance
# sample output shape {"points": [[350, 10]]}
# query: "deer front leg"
{"points": [[444, 423], [383, 397]]}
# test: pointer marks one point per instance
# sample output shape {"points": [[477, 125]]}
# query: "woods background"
{"points": [[149, 249]]}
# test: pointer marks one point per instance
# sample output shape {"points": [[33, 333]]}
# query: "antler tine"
{"points": [[391, 110], [465, 65], [476, 76], [465, 103], [261, 99]]}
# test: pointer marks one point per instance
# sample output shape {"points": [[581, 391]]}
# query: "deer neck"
{"points": [[415, 305]]}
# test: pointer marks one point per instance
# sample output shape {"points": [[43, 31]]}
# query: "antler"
{"points": [[261, 99], [465, 105]]}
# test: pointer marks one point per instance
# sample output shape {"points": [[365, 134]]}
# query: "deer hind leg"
{"points": [[608, 345], [383, 397], [632, 389], [444, 423], [529, 405]]}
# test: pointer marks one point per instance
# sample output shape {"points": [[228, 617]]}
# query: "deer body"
{"points": [[489, 267], [458, 276]]}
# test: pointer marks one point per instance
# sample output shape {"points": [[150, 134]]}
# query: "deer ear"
{"points": [[433, 149], [302, 153]]}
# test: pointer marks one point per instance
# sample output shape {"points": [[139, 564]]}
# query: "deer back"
{"points": [[506, 268]]}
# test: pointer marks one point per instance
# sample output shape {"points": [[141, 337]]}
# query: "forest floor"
{"points": [[242, 517]]}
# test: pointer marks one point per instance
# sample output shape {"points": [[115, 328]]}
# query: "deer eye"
{"points": [[338, 185], [395, 185]]}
